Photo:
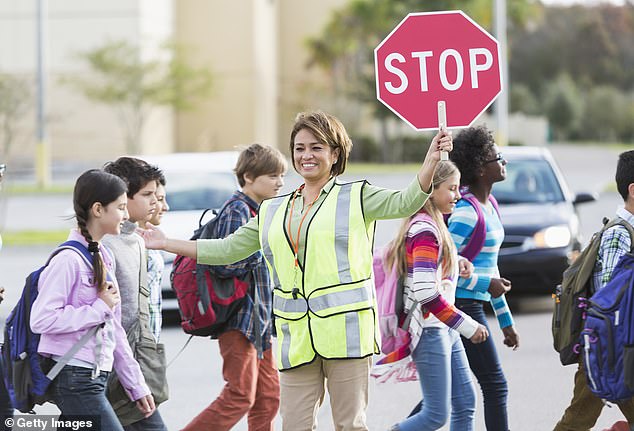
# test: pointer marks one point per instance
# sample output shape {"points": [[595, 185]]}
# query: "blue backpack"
{"points": [[607, 339], [26, 374]]}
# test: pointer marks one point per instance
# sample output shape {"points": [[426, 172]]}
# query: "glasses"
{"points": [[499, 158]]}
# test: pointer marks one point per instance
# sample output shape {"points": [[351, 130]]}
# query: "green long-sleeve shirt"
{"points": [[378, 204]]}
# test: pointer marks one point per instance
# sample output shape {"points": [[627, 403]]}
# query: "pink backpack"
{"points": [[389, 298]]}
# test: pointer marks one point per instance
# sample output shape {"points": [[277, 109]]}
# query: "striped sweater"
{"points": [[461, 225], [425, 286]]}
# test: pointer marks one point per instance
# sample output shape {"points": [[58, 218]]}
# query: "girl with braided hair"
{"points": [[75, 297]]}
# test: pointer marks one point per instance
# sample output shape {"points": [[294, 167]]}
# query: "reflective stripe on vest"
{"points": [[333, 311]]}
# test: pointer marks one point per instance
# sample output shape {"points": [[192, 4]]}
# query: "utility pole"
{"points": [[42, 147], [501, 106]]}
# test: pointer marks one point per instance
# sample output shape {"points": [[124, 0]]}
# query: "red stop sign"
{"points": [[437, 56]]}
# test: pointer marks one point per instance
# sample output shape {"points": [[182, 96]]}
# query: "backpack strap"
{"points": [[223, 207], [75, 246], [478, 236], [69, 355], [621, 222], [80, 249]]}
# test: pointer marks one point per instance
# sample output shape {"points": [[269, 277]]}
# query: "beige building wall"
{"points": [[301, 87], [257, 53], [220, 36], [255, 49], [79, 129]]}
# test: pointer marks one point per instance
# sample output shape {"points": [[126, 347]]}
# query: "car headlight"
{"points": [[552, 237]]}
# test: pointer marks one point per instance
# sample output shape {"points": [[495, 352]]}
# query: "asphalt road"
{"points": [[540, 388]]}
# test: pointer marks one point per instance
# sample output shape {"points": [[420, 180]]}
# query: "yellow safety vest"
{"points": [[332, 311]]}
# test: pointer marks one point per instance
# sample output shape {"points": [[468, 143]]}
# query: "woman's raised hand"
{"points": [[443, 141], [153, 237]]}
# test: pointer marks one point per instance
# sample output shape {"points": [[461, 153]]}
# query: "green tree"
{"points": [[133, 86], [563, 106], [15, 100], [345, 47], [521, 99], [605, 114]]}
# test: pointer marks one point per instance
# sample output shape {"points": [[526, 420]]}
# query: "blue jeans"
{"points": [[6, 409], [152, 423], [76, 393], [445, 381], [485, 364]]}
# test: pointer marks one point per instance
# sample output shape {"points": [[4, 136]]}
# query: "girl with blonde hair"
{"points": [[426, 258]]}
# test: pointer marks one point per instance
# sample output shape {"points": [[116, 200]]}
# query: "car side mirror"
{"points": [[584, 197]]}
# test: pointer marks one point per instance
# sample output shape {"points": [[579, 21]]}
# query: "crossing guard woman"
{"points": [[317, 242]]}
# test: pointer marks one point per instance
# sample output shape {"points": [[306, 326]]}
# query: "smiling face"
{"points": [[446, 194], [113, 215], [143, 204], [312, 159]]}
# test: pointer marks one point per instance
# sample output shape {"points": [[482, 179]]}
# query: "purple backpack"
{"points": [[476, 242]]}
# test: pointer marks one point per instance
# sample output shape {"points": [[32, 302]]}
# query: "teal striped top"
{"points": [[461, 225]]}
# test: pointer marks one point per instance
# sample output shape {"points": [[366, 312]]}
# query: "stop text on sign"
{"points": [[480, 60], [434, 57]]}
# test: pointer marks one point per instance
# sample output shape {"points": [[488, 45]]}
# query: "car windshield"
{"points": [[528, 181], [198, 190]]}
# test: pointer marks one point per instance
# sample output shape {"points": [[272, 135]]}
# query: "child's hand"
{"points": [[499, 286], [465, 268], [146, 405], [110, 295], [480, 336], [511, 337], [154, 237]]}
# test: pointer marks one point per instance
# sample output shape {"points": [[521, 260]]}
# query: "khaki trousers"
{"points": [[302, 392], [585, 407]]}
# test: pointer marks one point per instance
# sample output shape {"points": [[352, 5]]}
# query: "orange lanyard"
{"points": [[295, 244]]}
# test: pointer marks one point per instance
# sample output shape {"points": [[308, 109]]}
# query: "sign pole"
{"points": [[442, 124]]}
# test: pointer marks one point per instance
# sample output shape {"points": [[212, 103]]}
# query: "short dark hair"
{"points": [[625, 173], [471, 148], [135, 172]]}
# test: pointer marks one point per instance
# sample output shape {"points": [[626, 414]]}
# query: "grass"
{"points": [[34, 237], [33, 189], [380, 168]]}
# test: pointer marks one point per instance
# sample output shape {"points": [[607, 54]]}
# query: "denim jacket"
{"points": [[67, 306]]}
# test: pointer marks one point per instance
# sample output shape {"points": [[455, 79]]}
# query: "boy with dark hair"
{"points": [[252, 383], [131, 263], [585, 407]]}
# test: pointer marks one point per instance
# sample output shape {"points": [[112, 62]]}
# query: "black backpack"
{"points": [[572, 295], [206, 301]]}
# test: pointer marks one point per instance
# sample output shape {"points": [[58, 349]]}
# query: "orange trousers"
{"points": [[252, 388]]}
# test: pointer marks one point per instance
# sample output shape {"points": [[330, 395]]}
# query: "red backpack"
{"points": [[206, 301]]}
